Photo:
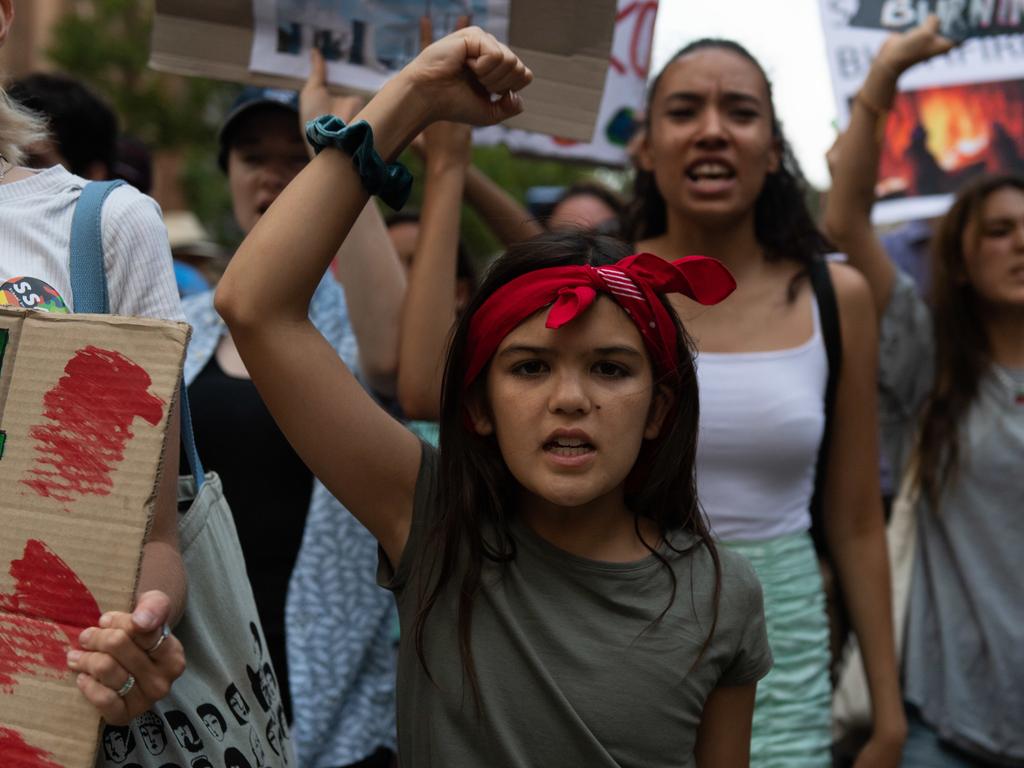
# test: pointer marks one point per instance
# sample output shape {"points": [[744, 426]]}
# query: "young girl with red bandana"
{"points": [[561, 600]]}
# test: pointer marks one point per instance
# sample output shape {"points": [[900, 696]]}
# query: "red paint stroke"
{"points": [[643, 33], [89, 424], [15, 753], [48, 609]]}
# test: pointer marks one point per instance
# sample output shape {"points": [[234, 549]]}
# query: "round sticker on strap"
{"points": [[31, 293]]}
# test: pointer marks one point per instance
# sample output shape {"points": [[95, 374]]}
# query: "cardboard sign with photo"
{"points": [[84, 407], [938, 139], [267, 42], [954, 115]]}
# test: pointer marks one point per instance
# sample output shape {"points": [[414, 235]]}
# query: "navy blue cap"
{"points": [[252, 97]]}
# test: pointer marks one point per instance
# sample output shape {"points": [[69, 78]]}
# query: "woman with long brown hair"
{"points": [[717, 177], [951, 379]]}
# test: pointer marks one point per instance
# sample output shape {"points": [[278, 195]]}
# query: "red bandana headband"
{"points": [[635, 284]]}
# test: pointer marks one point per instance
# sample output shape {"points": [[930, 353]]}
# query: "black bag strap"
{"points": [[828, 312]]}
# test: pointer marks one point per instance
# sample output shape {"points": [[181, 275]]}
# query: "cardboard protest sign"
{"points": [[955, 116], [566, 45], [84, 408], [623, 100]]}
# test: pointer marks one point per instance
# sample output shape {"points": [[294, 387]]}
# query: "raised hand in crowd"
{"points": [[853, 159], [366, 265], [430, 301]]}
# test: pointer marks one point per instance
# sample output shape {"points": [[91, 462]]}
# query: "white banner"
{"points": [[623, 99], [955, 116], [363, 41]]}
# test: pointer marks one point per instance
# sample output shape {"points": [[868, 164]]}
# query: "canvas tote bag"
{"points": [[851, 701], [225, 711]]}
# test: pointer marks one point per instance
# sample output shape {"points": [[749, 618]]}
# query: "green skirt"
{"points": [[792, 712]]}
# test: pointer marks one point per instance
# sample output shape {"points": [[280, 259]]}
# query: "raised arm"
{"points": [[854, 157], [366, 266], [429, 311], [364, 457]]}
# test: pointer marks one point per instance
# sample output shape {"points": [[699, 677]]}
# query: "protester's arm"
{"points": [[429, 311], [117, 647], [723, 737], [507, 219], [854, 523], [854, 157], [365, 458], [366, 265], [369, 270], [161, 567]]}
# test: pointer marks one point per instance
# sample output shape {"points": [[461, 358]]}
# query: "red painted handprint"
{"points": [[42, 617], [89, 423]]}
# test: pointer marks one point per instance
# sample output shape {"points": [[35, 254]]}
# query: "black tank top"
{"points": [[265, 483]]}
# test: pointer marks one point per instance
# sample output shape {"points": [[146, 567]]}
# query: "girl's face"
{"points": [[994, 249], [266, 153], [570, 407], [710, 143]]}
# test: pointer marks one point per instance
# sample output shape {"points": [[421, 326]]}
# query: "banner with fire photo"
{"points": [[954, 117]]}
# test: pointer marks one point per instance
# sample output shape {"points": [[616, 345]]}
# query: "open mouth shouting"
{"points": [[570, 448], [711, 176]]}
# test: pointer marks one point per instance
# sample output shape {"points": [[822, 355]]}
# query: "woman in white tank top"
{"points": [[717, 178]]}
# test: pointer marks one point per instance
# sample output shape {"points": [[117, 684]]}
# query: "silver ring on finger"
{"points": [[128, 685], [164, 634]]}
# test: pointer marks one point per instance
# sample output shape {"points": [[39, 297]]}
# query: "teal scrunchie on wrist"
{"points": [[391, 182]]}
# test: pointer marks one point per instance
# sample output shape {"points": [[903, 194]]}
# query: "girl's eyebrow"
{"points": [[619, 350], [522, 349], [731, 96]]}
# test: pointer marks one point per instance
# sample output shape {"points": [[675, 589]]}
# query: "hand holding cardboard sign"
{"points": [[115, 653]]}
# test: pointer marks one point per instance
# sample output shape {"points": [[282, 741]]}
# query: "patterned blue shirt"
{"points": [[341, 661]]}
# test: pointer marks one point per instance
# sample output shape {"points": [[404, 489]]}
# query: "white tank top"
{"points": [[762, 416]]}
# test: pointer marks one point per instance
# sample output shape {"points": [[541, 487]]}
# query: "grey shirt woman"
{"points": [[963, 662]]}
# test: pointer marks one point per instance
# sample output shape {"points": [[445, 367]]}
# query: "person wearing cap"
{"points": [[328, 634]]}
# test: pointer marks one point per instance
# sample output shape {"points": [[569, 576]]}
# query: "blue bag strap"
{"points": [[188, 439], [89, 289], [88, 279]]}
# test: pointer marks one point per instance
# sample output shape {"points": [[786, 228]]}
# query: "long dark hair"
{"points": [[476, 487], [962, 351], [783, 225]]}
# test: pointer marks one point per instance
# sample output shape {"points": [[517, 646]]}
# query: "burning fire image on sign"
{"points": [[938, 138]]}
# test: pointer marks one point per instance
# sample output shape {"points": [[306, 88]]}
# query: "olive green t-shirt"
{"points": [[573, 670]]}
